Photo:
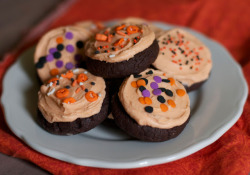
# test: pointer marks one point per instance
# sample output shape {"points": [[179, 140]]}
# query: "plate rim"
{"points": [[143, 162]]}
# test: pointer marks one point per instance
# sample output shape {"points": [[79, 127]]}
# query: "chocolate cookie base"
{"points": [[135, 65], [194, 86], [145, 133], [77, 126]]}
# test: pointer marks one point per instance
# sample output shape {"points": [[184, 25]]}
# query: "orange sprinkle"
{"points": [[120, 27], [196, 69], [54, 72], [172, 81], [59, 40], [119, 42], [172, 103], [132, 29], [74, 83], [142, 100], [164, 74], [106, 32], [180, 68], [82, 87], [174, 61], [62, 93], [53, 80], [109, 38], [100, 37], [54, 83], [121, 46], [141, 31], [116, 49], [141, 82], [164, 108], [200, 48], [120, 33], [77, 90], [99, 25], [148, 100], [133, 84], [68, 74], [69, 100], [91, 96], [82, 77], [180, 92]]}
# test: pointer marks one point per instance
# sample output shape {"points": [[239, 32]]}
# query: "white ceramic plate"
{"points": [[215, 108]]}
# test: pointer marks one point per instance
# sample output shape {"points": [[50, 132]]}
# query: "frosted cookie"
{"points": [[185, 57], [73, 102], [59, 50], [119, 51], [151, 106], [135, 20]]}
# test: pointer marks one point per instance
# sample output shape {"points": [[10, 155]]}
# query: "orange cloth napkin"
{"points": [[226, 21]]}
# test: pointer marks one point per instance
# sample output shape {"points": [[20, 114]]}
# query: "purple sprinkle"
{"points": [[157, 92], [52, 50], [49, 58], [59, 64], [157, 79], [154, 85], [70, 48], [69, 65], [146, 93], [78, 57], [69, 35]]}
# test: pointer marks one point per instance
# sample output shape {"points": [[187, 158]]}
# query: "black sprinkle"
{"points": [[191, 67], [180, 64], [161, 99], [113, 48], [96, 52], [57, 55], [137, 76], [148, 109], [169, 93], [39, 65], [186, 63], [92, 83], [162, 89], [113, 34], [105, 51], [60, 47], [142, 88], [146, 80], [192, 59], [42, 59], [162, 53], [164, 38], [57, 82], [68, 87], [86, 90], [166, 80], [79, 44], [72, 79], [100, 47], [149, 72]]}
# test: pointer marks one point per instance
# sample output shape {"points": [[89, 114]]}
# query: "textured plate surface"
{"points": [[215, 108]]}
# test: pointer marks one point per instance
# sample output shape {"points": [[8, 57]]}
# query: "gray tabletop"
{"points": [[16, 18]]}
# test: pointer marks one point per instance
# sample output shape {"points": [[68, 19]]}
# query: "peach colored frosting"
{"points": [[155, 99], [92, 26], [119, 45], [60, 49], [135, 20], [183, 56], [84, 98]]}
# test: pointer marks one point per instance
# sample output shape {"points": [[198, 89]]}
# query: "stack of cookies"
{"points": [[134, 71]]}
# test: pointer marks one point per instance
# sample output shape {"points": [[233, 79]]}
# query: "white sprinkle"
{"points": [[125, 39], [85, 72], [50, 84], [99, 94], [111, 56], [57, 76], [75, 71], [61, 77], [81, 83], [51, 92]]}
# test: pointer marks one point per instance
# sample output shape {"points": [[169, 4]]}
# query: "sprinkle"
{"points": [[142, 88], [51, 92], [154, 85], [180, 92], [81, 83], [121, 33], [137, 76], [49, 58], [92, 83], [148, 109], [85, 72], [54, 72], [83, 87], [68, 87], [169, 93], [101, 37], [161, 99], [74, 83], [148, 100], [119, 42], [146, 93], [164, 108], [156, 91], [99, 94], [75, 71], [141, 82], [111, 56], [96, 52], [142, 100], [57, 55], [172, 103], [70, 48], [60, 47], [69, 100], [149, 72], [86, 90], [59, 64], [157, 79], [165, 80], [77, 90], [69, 35], [59, 40], [50, 84], [172, 81], [79, 44], [91, 96], [69, 65], [133, 84]]}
